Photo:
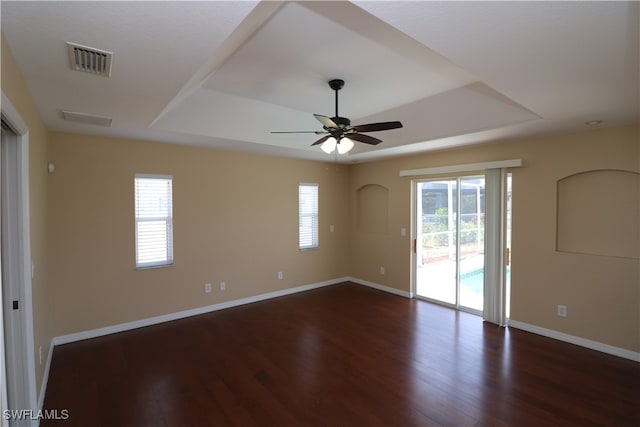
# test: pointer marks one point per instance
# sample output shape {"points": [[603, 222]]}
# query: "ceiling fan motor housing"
{"points": [[342, 122]]}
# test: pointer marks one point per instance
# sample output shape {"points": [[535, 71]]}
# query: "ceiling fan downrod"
{"points": [[336, 85], [342, 122]]}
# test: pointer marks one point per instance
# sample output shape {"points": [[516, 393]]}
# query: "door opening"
{"points": [[450, 242]]}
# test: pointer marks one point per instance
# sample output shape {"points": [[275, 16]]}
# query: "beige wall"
{"points": [[219, 195], [15, 88], [602, 293], [235, 220]]}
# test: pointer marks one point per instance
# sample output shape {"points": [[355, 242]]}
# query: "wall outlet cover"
{"points": [[562, 310]]}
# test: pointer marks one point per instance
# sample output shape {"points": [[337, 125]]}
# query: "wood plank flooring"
{"points": [[344, 355]]}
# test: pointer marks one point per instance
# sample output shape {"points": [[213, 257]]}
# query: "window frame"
{"points": [[314, 215], [168, 260]]}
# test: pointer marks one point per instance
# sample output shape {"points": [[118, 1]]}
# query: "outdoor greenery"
{"points": [[435, 222], [436, 231]]}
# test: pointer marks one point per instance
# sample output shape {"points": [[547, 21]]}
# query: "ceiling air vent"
{"points": [[89, 59], [87, 119]]}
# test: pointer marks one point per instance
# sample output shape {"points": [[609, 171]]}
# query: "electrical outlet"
{"points": [[403, 232], [223, 286], [331, 229], [280, 275], [207, 288], [382, 271], [562, 310]]}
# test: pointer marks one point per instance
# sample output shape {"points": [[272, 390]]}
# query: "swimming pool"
{"points": [[475, 279], [439, 284]]}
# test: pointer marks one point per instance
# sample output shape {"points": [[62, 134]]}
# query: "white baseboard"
{"points": [[381, 287], [583, 342], [45, 376], [94, 333]]}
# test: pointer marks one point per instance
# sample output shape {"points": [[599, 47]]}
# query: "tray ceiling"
{"points": [[226, 74]]}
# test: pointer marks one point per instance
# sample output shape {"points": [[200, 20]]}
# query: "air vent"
{"points": [[89, 60], [88, 119]]}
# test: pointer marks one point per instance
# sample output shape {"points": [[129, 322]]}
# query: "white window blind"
{"points": [[154, 220], [308, 215]]}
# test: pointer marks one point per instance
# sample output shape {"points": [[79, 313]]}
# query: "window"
{"points": [[154, 223], [308, 215]]}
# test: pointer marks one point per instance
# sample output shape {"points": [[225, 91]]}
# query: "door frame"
{"points": [[23, 263], [444, 171]]}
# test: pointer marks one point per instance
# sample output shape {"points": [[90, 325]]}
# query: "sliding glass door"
{"points": [[450, 241]]}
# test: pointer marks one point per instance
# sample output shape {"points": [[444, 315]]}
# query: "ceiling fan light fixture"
{"points": [[345, 145], [329, 145]]}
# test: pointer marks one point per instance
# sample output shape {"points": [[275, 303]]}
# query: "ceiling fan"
{"points": [[338, 132]]}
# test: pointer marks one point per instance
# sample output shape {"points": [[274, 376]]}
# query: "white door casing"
{"points": [[17, 265]]}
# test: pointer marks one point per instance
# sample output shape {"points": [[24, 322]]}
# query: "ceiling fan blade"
{"points": [[321, 140], [363, 138], [375, 127], [326, 121], [317, 132]]}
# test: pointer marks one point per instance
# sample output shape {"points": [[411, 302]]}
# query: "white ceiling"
{"points": [[226, 74]]}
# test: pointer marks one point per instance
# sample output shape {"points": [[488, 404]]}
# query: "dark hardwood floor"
{"points": [[344, 355]]}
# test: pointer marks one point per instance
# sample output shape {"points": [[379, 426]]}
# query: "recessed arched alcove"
{"points": [[372, 208], [598, 213]]}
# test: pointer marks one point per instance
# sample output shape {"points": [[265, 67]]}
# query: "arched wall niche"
{"points": [[372, 208], [598, 213]]}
